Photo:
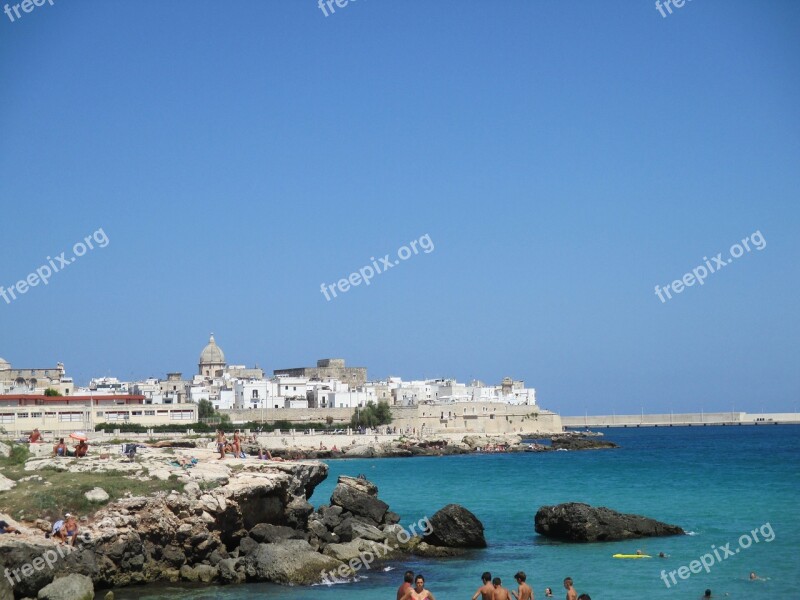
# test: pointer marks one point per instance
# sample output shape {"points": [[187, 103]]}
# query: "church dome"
{"points": [[212, 354], [4, 365]]}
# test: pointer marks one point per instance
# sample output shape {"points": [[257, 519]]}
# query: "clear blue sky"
{"points": [[564, 157]]}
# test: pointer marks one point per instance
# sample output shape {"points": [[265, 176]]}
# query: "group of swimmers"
{"points": [[491, 589]]}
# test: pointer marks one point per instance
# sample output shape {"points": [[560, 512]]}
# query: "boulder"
{"points": [[247, 546], [349, 550], [199, 573], [230, 572], [456, 527], [6, 483], [359, 496], [331, 516], [269, 534], [576, 442], [97, 495], [578, 522], [5, 450], [290, 562], [360, 529], [71, 587], [428, 551]]}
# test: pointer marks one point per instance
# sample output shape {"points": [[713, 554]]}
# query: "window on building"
{"points": [[99, 413], [120, 415], [181, 415], [22, 415], [70, 416], [149, 413], [136, 413], [7, 418]]}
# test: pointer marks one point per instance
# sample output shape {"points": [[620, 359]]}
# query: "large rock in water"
{"points": [[574, 442], [71, 587], [577, 522], [455, 527], [360, 497], [290, 562]]}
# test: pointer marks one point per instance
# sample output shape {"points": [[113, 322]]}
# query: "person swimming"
{"points": [[418, 592]]}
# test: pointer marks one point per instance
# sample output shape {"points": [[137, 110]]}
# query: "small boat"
{"points": [[631, 556]]}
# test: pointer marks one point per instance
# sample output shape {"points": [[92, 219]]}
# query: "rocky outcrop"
{"points": [[579, 442], [577, 522], [356, 520], [183, 535], [456, 527], [71, 587]]}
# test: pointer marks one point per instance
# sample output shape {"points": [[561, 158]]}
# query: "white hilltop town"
{"points": [[47, 399]]}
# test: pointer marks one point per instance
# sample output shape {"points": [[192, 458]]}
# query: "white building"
{"points": [[346, 399], [411, 393]]}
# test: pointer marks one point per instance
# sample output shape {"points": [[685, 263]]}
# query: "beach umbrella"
{"points": [[78, 435]]}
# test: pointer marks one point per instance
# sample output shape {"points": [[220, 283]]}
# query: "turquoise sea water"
{"points": [[719, 483]]}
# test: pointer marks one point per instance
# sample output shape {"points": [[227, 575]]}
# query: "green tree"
{"points": [[371, 415], [51, 392], [205, 410]]}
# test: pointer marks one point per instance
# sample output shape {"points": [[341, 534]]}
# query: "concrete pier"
{"points": [[680, 420]]}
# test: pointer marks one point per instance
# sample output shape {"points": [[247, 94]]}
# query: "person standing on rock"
{"points": [[237, 444], [486, 591], [571, 593], [525, 592], [221, 444], [418, 592], [408, 580]]}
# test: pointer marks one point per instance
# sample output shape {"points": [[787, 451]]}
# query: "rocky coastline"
{"points": [[225, 522]]}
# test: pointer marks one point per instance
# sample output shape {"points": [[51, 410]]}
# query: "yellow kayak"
{"points": [[631, 556]]}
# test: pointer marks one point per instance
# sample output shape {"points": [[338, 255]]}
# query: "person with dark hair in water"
{"points": [[584, 597], [524, 592], [408, 581], [486, 591], [571, 593], [500, 593], [418, 592], [707, 594]]}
